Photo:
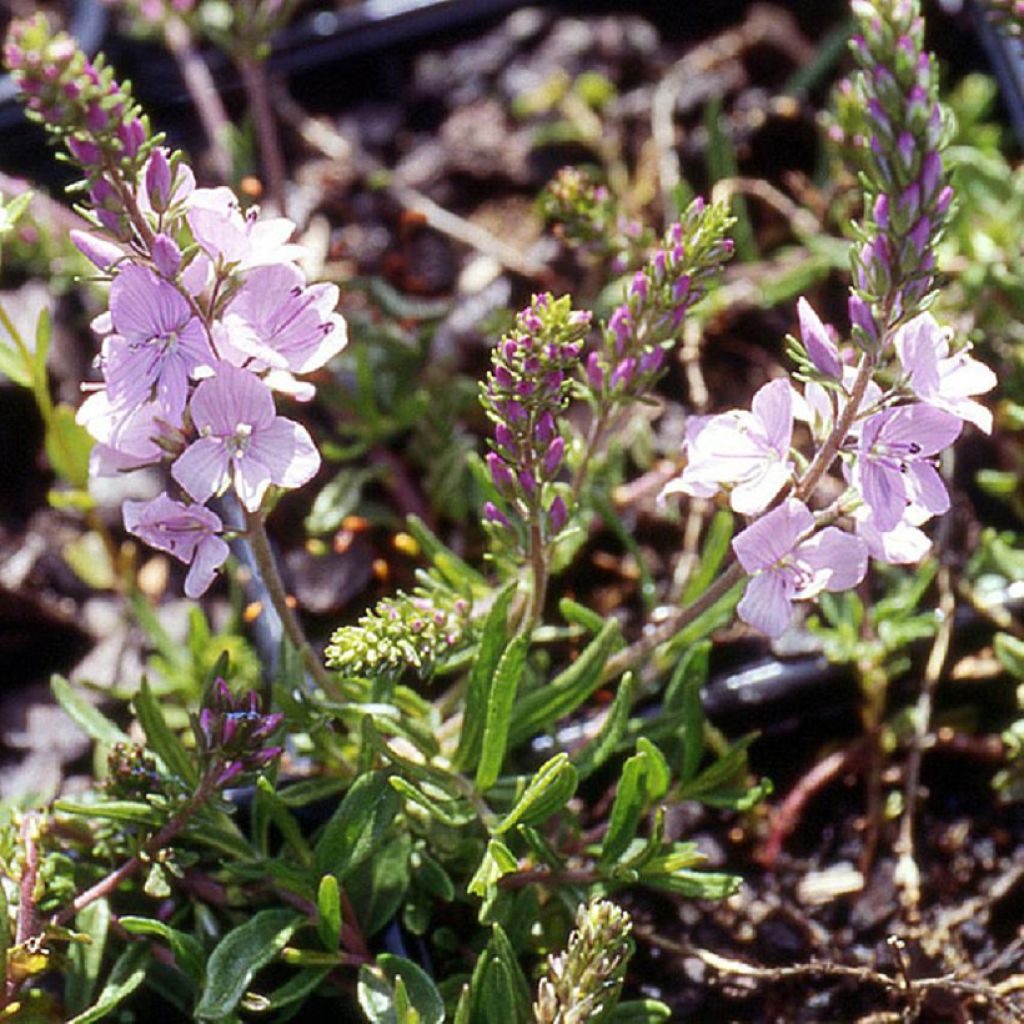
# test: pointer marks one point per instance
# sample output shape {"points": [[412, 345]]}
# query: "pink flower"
{"points": [[784, 567], [747, 451], [232, 238], [242, 442], [188, 532], [893, 467], [820, 347], [904, 544], [127, 437], [944, 381], [277, 321], [157, 345]]}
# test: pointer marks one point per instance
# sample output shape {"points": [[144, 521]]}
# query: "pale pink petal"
{"points": [[929, 489], [203, 468], [773, 536], [757, 492], [883, 491], [773, 407], [209, 556], [765, 604], [288, 452], [842, 557], [903, 545], [820, 347], [231, 398], [251, 478]]}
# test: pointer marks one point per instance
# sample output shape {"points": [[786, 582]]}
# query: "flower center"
{"points": [[238, 443]]}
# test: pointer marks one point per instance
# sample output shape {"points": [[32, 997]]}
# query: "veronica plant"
{"points": [[209, 317]]}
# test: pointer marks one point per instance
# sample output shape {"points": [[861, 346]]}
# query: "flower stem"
{"points": [[254, 77], [267, 564]]}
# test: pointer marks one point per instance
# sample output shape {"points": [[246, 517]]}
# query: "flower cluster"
{"points": [[885, 416], [231, 733], [658, 297], [405, 631], [902, 131], [588, 216], [583, 983], [526, 391], [81, 103], [208, 316]]}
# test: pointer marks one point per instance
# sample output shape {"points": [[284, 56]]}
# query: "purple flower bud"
{"points": [[503, 378], [905, 148], [651, 362], [621, 325], [931, 175], [166, 255], [558, 515], [505, 438], [545, 428], [910, 201], [920, 233], [263, 757], [681, 289], [494, 515], [943, 201], [132, 135], [510, 350], [881, 212], [85, 152], [158, 180], [660, 263], [527, 482], [861, 316], [500, 472], [638, 287], [554, 380], [532, 322], [553, 457], [623, 373], [96, 250], [595, 374]]}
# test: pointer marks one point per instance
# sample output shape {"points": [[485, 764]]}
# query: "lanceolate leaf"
{"points": [[548, 792], [544, 706], [125, 977], [499, 710], [91, 721], [606, 742], [239, 955], [161, 739], [683, 697]]}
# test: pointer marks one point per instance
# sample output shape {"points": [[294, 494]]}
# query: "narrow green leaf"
{"points": [[125, 977], [548, 792], [328, 907], [499, 710], [724, 771], [1010, 652], [91, 721], [44, 336], [458, 573], [297, 988], [186, 949], [544, 706], [640, 1011], [716, 547], [379, 885], [239, 955], [502, 950], [423, 994], [68, 445], [113, 810], [632, 798], [86, 958], [592, 756], [481, 675], [162, 739], [453, 813], [276, 811], [658, 772], [683, 697], [498, 860], [579, 615], [359, 826]]}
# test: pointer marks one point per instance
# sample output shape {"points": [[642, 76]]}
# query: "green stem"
{"points": [[259, 542]]}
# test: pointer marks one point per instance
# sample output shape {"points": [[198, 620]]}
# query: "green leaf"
{"points": [[579, 615], [637, 785], [239, 955], [125, 977], [328, 907], [547, 793], [89, 559], [44, 336], [86, 958], [492, 643], [113, 810], [683, 697], [91, 721], [379, 885], [186, 949], [423, 993], [640, 1011], [500, 700], [498, 860], [1010, 652], [501, 952], [453, 813], [458, 573], [592, 756], [359, 826], [296, 988], [567, 691], [160, 737], [310, 791], [68, 445], [725, 771], [273, 810]]}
